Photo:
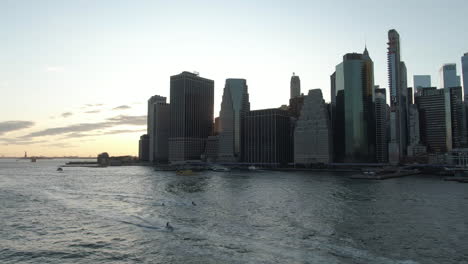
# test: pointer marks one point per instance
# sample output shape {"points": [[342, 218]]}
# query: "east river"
{"points": [[119, 214]]}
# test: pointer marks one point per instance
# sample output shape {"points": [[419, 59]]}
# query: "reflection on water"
{"points": [[119, 215]]}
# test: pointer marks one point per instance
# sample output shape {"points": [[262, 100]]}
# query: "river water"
{"points": [[118, 215]]}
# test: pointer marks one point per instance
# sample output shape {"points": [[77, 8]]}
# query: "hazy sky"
{"points": [[75, 75]]}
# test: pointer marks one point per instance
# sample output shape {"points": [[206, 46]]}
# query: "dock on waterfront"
{"points": [[385, 175]]}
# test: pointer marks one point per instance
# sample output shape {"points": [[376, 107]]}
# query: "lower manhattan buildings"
{"points": [[358, 126], [312, 134], [191, 116]]}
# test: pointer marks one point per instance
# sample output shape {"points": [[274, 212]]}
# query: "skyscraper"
{"points": [[143, 148], [267, 137], [191, 116], [448, 76], [158, 128], [312, 134], [464, 61], [398, 100], [455, 118], [234, 106], [295, 86], [381, 123], [421, 82], [353, 117], [433, 131]]}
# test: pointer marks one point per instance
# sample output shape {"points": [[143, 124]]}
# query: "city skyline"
{"points": [[93, 88]]}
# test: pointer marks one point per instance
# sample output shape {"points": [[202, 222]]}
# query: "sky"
{"points": [[75, 76]]}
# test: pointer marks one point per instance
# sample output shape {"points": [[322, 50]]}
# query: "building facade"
{"points": [[312, 134], [455, 118], [234, 106], [143, 148], [295, 87], [431, 106], [191, 116], [353, 113], [381, 125], [448, 76], [398, 100], [464, 61], [158, 128], [267, 137]]}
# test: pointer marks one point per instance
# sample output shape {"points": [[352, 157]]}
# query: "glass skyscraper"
{"points": [[448, 76], [234, 106], [398, 99], [353, 112], [464, 61]]}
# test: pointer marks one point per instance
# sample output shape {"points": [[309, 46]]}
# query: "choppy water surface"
{"points": [[116, 215]]}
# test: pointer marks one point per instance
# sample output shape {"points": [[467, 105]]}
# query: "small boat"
{"points": [[184, 172], [252, 168], [219, 168]]}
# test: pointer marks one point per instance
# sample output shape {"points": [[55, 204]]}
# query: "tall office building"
{"points": [[353, 112], [431, 106], [267, 137], [381, 124], [398, 100], [448, 76], [158, 128], [234, 106], [455, 118], [421, 82], [464, 61], [191, 116], [295, 86], [312, 134], [143, 148]]}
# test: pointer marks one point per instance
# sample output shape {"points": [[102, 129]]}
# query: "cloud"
{"points": [[20, 141], [90, 105], [122, 107], [8, 126], [122, 131], [92, 112], [59, 145], [67, 114], [129, 120], [80, 129]]}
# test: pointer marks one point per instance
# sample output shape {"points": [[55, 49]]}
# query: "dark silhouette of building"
{"points": [[143, 148], [456, 122], [158, 129], [295, 87], [381, 124], [191, 116], [268, 137], [431, 106], [103, 159]]}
